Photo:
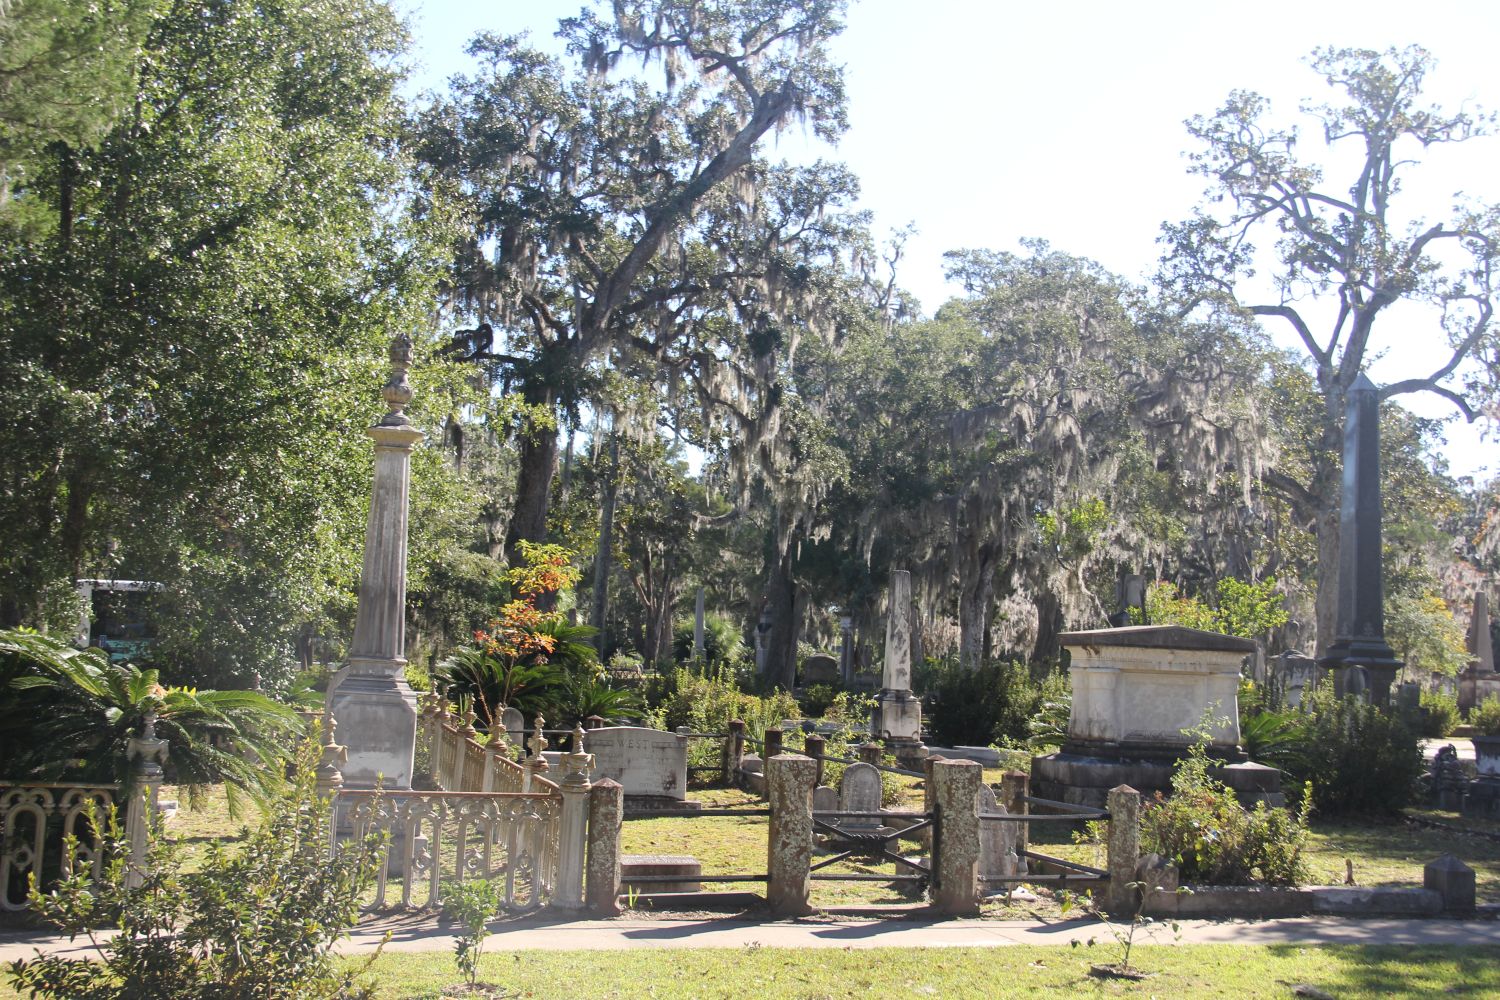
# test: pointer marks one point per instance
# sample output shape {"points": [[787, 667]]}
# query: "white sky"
{"points": [[983, 123]]}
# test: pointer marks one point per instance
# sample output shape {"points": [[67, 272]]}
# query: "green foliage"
{"points": [[994, 702], [1358, 759], [1244, 609], [706, 703], [583, 697], [1485, 717], [496, 683], [68, 714], [1214, 840], [1439, 715], [723, 646], [1278, 739], [1422, 631], [258, 921], [816, 700], [473, 903]]}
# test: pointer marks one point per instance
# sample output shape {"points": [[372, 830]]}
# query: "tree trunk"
{"points": [[1048, 623], [1328, 487], [538, 463], [976, 598], [606, 545], [781, 643]]}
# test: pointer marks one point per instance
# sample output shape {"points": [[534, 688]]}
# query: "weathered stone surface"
{"points": [[1132, 694], [1453, 880], [1480, 644], [1124, 849], [789, 786], [899, 715], [997, 847], [1014, 787], [685, 869], [752, 763], [859, 791], [1341, 901], [825, 799], [956, 785], [515, 726], [644, 761], [606, 804]]}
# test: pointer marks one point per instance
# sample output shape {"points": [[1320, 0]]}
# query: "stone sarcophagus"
{"points": [[1138, 690]]}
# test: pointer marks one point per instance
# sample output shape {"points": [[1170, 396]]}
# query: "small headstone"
{"points": [[1453, 880], [820, 668], [859, 791], [752, 764], [515, 725], [996, 841], [825, 799]]}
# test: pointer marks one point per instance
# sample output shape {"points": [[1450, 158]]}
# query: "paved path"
{"points": [[422, 933]]}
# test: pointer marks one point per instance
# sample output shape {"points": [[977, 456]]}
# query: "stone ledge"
{"points": [[1261, 902]]}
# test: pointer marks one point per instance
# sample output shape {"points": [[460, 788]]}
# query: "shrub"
{"points": [[1440, 716], [1358, 759], [706, 702], [258, 922], [1485, 717], [1214, 840], [473, 904], [816, 700], [987, 705], [723, 646]]}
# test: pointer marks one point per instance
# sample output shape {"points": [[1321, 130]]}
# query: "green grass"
{"points": [[1200, 971]]}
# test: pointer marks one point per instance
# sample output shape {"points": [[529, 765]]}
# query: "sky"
{"points": [[981, 123]]}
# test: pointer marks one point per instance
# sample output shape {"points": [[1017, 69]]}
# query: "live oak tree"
{"points": [[1344, 256], [620, 212]]}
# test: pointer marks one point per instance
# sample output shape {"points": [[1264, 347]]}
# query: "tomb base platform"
{"points": [[1085, 780], [637, 804]]}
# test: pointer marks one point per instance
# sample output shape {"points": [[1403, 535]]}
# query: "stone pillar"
{"points": [[772, 743], [1453, 880], [762, 637], [789, 786], [699, 656], [1359, 640], [375, 707], [900, 714], [846, 650], [955, 853], [147, 754], [1014, 787], [573, 828], [871, 752], [813, 747], [536, 764], [1124, 850], [606, 807], [734, 751]]}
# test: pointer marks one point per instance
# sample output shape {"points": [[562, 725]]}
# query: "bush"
{"points": [[1441, 715], [1214, 840], [1358, 759], [996, 702], [816, 700], [723, 647], [1485, 717], [259, 922]]}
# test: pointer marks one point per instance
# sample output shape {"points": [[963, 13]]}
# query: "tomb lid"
{"points": [[1159, 637]]}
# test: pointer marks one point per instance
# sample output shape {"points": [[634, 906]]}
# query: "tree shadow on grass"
{"points": [[1405, 970]]}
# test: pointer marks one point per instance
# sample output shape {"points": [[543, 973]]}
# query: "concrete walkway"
{"points": [[422, 933]]}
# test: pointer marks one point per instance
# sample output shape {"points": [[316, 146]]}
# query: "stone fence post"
{"points": [[813, 747], [536, 764], [147, 754], [573, 829], [1014, 787], [871, 752], [606, 806], [1124, 850], [789, 787], [955, 852], [772, 742], [734, 751]]}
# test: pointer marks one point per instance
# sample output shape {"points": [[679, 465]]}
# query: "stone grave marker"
{"points": [[515, 726], [997, 850], [820, 668], [646, 762], [859, 791], [825, 799]]}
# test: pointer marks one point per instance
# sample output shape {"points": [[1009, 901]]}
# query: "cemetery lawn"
{"points": [[1243, 972]]}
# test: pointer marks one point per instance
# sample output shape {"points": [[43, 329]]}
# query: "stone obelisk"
{"points": [[1360, 656], [371, 702], [899, 717]]}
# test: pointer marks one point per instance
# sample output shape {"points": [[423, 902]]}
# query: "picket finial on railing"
{"points": [[578, 763], [538, 741], [330, 778], [469, 716]]}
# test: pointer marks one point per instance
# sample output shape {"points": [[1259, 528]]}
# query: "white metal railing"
{"points": [[35, 820]]}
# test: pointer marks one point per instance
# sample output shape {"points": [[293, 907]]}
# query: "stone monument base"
{"points": [[1085, 780]]}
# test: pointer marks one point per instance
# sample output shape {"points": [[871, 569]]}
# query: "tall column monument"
{"points": [[374, 707], [1363, 661]]}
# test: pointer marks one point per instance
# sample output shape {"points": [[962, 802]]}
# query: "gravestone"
{"points": [[859, 791], [899, 723], [752, 764], [825, 799], [648, 763], [1478, 680], [997, 848], [820, 668], [515, 726]]}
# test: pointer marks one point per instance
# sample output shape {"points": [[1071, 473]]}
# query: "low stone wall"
{"points": [[1263, 902]]}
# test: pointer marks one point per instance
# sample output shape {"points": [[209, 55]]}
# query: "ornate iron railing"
{"points": [[36, 820]]}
